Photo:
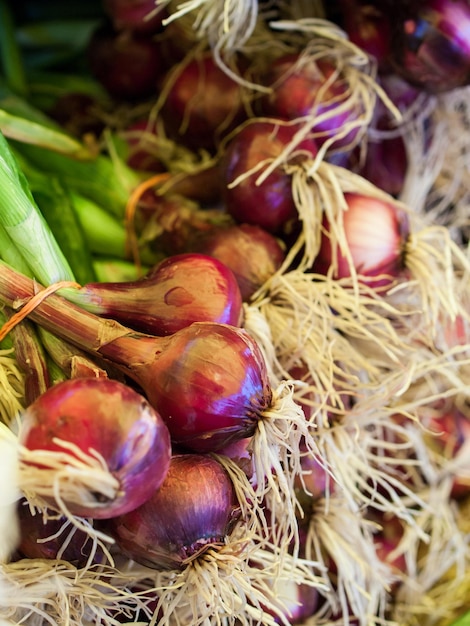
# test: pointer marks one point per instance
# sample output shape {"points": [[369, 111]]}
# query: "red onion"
{"points": [[126, 64], [206, 401], [375, 234], [266, 202], [202, 104], [368, 27], [385, 163], [100, 419], [431, 47], [135, 15], [198, 529], [179, 290], [303, 88], [252, 253], [315, 483], [43, 537], [208, 381], [194, 509], [386, 158]]}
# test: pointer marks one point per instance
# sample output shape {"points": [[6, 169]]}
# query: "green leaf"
{"points": [[25, 131], [25, 225]]}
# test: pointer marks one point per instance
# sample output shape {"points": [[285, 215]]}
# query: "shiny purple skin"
{"points": [[312, 88], [269, 204], [385, 164], [195, 507], [34, 530], [431, 48], [208, 382], [110, 417], [180, 290]]}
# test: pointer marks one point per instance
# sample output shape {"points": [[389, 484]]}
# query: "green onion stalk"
{"points": [[25, 225]]}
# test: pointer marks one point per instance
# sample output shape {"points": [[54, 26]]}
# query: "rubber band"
{"points": [[131, 208], [32, 303]]}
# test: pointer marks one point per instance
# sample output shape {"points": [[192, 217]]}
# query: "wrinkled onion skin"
{"points": [[209, 383], [376, 233], [110, 417], [180, 290], [268, 204], [194, 507]]}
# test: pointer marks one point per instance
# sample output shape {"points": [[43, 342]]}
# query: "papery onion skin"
{"points": [[178, 291], [194, 508], [376, 232], [114, 420], [269, 203]]}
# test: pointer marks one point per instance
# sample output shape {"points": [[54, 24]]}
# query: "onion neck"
{"points": [[103, 298], [106, 337]]}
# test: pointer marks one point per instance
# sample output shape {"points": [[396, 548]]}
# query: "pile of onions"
{"points": [[206, 403]]}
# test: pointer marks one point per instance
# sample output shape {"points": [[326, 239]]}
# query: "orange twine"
{"points": [[32, 303], [131, 208]]}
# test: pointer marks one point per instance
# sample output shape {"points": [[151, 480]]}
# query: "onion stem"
{"points": [[25, 225]]}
